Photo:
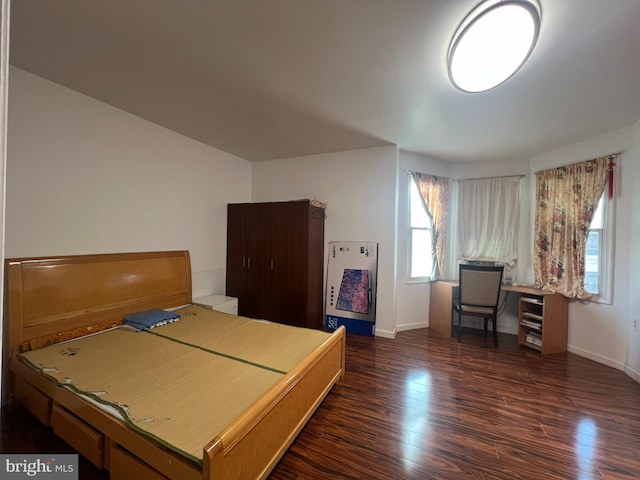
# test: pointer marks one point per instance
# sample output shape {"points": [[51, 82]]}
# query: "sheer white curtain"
{"points": [[488, 217]]}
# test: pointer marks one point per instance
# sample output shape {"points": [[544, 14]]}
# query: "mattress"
{"points": [[184, 382]]}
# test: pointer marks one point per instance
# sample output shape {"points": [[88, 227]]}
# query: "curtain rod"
{"points": [[610, 155], [459, 179], [489, 178], [424, 173]]}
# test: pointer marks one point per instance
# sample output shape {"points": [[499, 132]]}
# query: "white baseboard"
{"points": [[632, 373], [386, 333], [465, 323], [412, 326], [596, 358]]}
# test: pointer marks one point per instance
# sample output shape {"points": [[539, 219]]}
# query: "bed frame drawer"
{"points": [[34, 400], [85, 439], [124, 466]]}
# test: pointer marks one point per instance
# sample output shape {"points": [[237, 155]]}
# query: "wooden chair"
{"points": [[479, 294]]}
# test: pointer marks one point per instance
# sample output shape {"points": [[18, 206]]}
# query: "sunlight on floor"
{"points": [[587, 435], [416, 416]]}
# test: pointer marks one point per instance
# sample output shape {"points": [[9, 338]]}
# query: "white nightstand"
{"points": [[219, 303]]}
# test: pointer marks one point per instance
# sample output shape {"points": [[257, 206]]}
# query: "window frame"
{"points": [[605, 251], [410, 229]]}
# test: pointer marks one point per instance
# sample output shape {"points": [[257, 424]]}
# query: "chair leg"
{"points": [[486, 321], [495, 333], [459, 325]]}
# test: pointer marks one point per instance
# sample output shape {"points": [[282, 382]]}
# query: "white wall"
{"points": [[599, 331], [84, 177], [632, 172], [359, 188]]}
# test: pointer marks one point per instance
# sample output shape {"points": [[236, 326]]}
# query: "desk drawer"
{"points": [[85, 439]]}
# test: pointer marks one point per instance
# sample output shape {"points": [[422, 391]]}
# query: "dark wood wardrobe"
{"points": [[275, 259]]}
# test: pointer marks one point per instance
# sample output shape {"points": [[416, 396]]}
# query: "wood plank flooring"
{"points": [[426, 407]]}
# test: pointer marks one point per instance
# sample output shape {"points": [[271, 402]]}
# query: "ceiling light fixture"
{"points": [[492, 43]]}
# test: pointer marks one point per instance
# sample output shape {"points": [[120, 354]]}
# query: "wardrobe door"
{"points": [[259, 261], [297, 274], [237, 253], [283, 300], [298, 253], [315, 267]]}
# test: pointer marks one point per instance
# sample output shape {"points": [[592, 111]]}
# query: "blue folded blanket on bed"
{"points": [[151, 319]]}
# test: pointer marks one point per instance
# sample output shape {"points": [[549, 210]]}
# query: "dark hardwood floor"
{"points": [[425, 407]]}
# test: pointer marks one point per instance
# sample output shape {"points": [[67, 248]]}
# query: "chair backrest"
{"points": [[480, 285]]}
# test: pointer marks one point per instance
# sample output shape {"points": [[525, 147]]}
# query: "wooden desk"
{"points": [[440, 306], [547, 308]]}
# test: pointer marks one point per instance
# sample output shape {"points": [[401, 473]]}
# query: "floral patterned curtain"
{"points": [[565, 201], [435, 193]]}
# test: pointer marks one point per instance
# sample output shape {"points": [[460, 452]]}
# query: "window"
{"points": [[599, 258], [420, 258]]}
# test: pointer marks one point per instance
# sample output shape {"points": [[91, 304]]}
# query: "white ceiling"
{"points": [[266, 79]]}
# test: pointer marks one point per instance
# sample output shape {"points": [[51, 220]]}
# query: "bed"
{"points": [[62, 302]]}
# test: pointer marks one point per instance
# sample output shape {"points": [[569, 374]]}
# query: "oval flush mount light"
{"points": [[492, 43]]}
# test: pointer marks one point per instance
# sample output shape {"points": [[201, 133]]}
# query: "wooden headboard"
{"points": [[48, 296]]}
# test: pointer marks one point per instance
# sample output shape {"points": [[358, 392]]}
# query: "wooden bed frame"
{"points": [[49, 297]]}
